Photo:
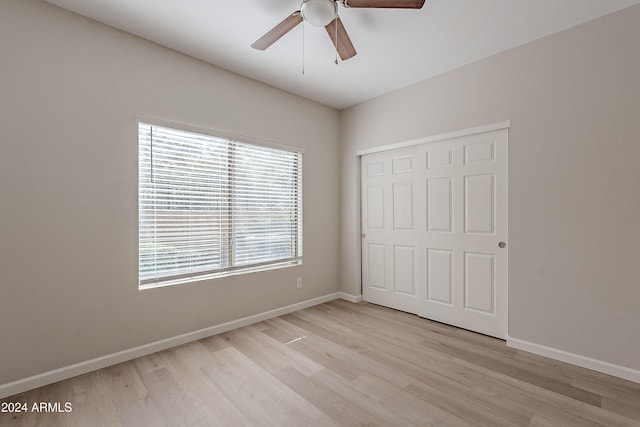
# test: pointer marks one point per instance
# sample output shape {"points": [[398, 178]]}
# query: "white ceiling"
{"points": [[395, 47]]}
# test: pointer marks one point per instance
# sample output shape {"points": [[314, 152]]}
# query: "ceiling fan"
{"points": [[324, 13]]}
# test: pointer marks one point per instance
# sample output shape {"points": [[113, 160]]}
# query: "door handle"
{"points": [[502, 245], [363, 235]]}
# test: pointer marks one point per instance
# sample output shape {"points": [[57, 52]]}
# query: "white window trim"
{"points": [[218, 133]]}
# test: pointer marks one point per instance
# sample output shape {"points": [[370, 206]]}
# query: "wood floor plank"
{"points": [[345, 361], [545, 402], [620, 390], [339, 364], [130, 397], [149, 363], [185, 363], [174, 405], [368, 402], [328, 355], [508, 366], [253, 391], [406, 406], [341, 410], [93, 400], [215, 343], [269, 353]]}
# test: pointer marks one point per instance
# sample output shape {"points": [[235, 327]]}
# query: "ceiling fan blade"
{"points": [[391, 4], [273, 35], [344, 46]]}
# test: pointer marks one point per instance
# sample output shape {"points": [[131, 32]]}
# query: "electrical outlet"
{"points": [[299, 283]]}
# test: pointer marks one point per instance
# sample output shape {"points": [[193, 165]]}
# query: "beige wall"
{"points": [[573, 100], [70, 92]]}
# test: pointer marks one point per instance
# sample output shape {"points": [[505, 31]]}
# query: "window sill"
{"points": [[219, 275]]}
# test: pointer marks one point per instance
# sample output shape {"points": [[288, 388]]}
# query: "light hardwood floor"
{"points": [[339, 364]]}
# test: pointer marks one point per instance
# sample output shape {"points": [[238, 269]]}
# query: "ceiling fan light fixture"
{"points": [[319, 13]]}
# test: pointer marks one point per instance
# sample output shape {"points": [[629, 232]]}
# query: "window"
{"points": [[209, 206]]}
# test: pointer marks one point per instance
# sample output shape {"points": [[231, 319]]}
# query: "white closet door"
{"points": [[389, 224], [433, 219]]}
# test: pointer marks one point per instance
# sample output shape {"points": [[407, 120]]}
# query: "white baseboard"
{"points": [[576, 359], [40, 380], [351, 298]]}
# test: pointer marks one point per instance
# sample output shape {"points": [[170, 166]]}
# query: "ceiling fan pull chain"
{"points": [[303, 47]]}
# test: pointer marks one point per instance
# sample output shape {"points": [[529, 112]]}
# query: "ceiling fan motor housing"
{"points": [[319, 13]]}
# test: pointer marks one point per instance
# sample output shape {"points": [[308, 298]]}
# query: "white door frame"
{"points": [[435, 138]]}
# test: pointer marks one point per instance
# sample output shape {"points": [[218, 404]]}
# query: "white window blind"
{"points": [[210, 205]]}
